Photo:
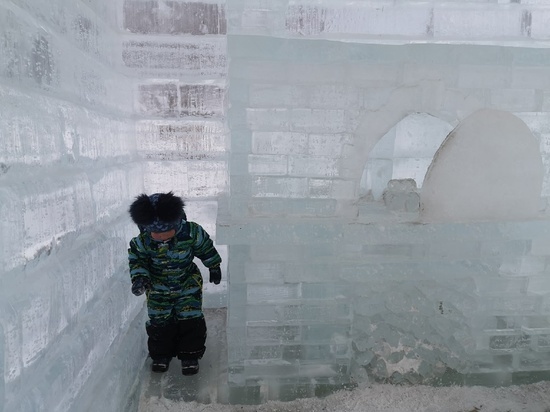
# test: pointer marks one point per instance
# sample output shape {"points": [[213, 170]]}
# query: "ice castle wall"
{"points": [[327, 288], [68, 166]]}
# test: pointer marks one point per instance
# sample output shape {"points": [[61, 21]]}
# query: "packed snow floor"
{"points": [[388, 398], [206, 392]]}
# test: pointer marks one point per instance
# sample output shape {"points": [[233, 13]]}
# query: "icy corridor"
{"points": [[374, 173]]}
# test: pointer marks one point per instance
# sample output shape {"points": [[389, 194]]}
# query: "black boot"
{"points": [[160, 364], [189, 366]]}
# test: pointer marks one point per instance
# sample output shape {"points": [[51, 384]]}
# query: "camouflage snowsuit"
{"points": [[176, 325]]}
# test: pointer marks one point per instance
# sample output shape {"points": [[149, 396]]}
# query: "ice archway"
{"points": [[405, 152]]}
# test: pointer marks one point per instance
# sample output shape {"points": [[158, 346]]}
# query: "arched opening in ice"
{"points": [[405, 152]]}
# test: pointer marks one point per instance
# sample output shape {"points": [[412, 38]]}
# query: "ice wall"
{"points": [[176, 51], [331, 285], [68, 167], [97, 106], [386, 21]]}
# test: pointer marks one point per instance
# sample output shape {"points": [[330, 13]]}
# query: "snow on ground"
{"points": [[390, 398]]}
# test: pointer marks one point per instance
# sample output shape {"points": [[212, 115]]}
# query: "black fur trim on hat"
{"points": [[169, 207], [142, 210]]}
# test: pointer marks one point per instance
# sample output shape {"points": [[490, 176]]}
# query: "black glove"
{"points": [[140, 285], [215, 275]]}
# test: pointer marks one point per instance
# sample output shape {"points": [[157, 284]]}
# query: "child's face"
{"points": [[163, 236]]}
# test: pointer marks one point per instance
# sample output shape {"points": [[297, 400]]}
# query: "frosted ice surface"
{"points": [[316, 297], [405, 152], [176, 18], [174, 58], [279, 142], [507, 186], [180, 138], [481, 22], [414, 291], [172, 98], [314, 19]]}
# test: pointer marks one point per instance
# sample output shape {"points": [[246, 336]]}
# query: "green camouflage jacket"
{"points": [[169, 264]]}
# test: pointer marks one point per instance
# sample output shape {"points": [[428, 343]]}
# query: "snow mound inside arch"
{"points": [[488, 168]]}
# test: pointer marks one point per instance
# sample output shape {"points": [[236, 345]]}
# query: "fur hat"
{"points": [[160, 212]]}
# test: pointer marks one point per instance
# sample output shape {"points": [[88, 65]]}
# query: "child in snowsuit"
{"points": [[161, 265]]}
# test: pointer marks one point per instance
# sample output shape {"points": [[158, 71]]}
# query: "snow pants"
{"points": [[176, 325], [182, 338]]}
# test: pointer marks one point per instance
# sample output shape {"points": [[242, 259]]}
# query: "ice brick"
{"points": [[175, 18], [202, 58], [477, 22], [314, 166], [268, 165], [516, 100], [539, 24], [257, 293], [265, 272], [180, 139], [288, 187], [279, 143], [52, 208], [314, 20]]}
